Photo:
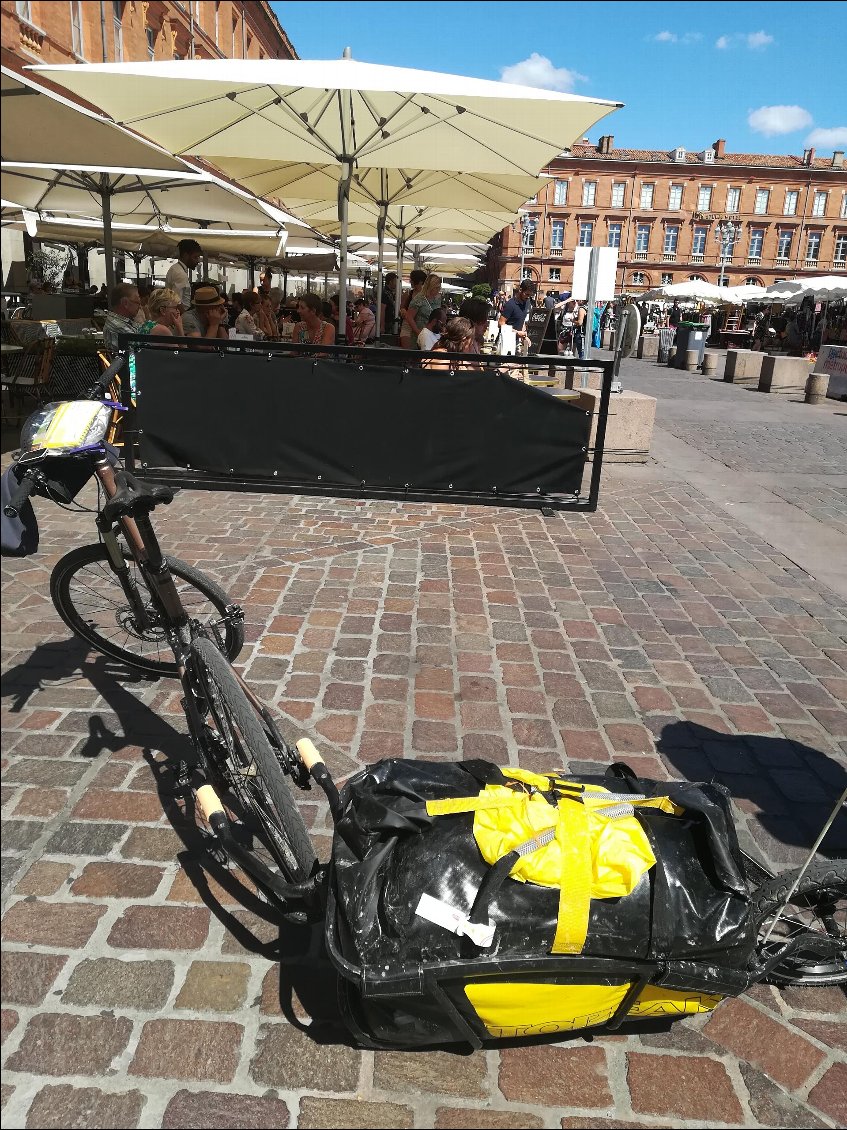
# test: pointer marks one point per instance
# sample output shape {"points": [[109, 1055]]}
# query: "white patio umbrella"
{"points": [[697, 289], [60, 158], [746, 292], [340, 113], [819, 287]]}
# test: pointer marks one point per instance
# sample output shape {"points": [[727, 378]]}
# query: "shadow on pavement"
{"points": [[788, 788]]}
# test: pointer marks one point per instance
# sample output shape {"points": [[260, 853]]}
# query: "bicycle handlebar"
{"points": [[104, 380], [25, 488]]}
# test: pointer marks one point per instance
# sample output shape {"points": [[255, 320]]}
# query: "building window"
{"points": [[557, 235], [642, 238], [704, 198], [647, 195], [733, 200], [615, 235], [560, 192], [763, 197], [618, 193], [151, 43], [555, 274], [696, 278], [217, 22], [671, 239], [791, 198], [757, 242], [586, 233], [674, 197], [589, 193], [819, 204], [527, 273], [24, 10], [638, 278], [813, 246], [234, 34], [667, 278], [698, 241], [752, 281], [840, 248], [783, 247], [76, 29], [117, 16], [844, 205], [533, 199], [529, 230]]}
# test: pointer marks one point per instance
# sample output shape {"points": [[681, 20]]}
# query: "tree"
{"points": [[481, 290]]}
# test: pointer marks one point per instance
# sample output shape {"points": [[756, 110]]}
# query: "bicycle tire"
{"points": [[97, 605], [820, 896], [250, 768]]}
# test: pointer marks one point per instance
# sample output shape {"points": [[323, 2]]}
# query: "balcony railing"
{"points": [[556, 253], [668, 256], [839, 262], [642, 255], [754, 260], [810, 264], [697, 257], [781, 261]]}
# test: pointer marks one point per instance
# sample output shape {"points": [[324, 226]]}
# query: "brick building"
{"points": [[660, 209], [100, 31]]}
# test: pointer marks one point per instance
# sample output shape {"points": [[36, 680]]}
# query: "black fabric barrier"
{"points": [[304, 420]]}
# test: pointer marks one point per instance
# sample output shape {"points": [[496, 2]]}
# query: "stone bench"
{"points": [[743, 366], [582, 376], [629, 428], [785, 376], [648, 347]]}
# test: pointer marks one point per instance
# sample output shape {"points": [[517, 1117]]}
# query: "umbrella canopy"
{"points": [[61, 158], [340, 113], [747, 292], [409, 222], [693, 288], [820, 287]]}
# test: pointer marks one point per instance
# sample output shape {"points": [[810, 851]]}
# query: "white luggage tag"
{"points": [[443, 914]]}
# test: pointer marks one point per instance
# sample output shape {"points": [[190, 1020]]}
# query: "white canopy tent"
{"points": [[696, 289], [344, 114], [819, 287]]}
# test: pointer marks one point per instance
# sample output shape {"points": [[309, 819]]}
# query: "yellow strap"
{"points": [[482, 800], [575, 881]]}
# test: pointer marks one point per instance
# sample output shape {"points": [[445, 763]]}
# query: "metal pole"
{"points": [[380, 231], [108, 253], [398, 286], [591, 294]]}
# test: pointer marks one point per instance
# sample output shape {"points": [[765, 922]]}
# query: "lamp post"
{"points": [[727, 234], [528, 225], [364, 273]]}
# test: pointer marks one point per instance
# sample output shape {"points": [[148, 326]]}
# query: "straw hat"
{"points": [[208, 296]]}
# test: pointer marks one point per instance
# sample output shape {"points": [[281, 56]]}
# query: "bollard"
{"points": [[692, 360], [672, 357], [710, 364], [817, 385]]}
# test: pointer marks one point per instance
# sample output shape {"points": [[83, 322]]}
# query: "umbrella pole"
{"points": [[343, 208], [107, 231], [380, 234], [398, 293]]}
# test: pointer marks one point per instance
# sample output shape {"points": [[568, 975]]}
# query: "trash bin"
{"points": [[690, 335], [666, 336]]}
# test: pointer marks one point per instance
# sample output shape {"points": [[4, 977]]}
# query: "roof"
{"points": [[767, 160]]}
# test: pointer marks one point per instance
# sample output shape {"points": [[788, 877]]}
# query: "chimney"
{"points": [[838, 159], [605, 143], [719, 146], [808, 156]]}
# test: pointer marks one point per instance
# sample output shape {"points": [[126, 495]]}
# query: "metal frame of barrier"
{"points": [[406, 360]]}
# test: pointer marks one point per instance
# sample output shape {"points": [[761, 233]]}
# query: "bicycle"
{"points": [[790, 928], [130, 602]]}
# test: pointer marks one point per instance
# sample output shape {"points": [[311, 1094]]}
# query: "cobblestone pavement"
{"points": [[141, 990]]}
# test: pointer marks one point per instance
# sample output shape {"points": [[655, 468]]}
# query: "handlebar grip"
{"points": [[308, 753], [25, 488], [209, 802], [104, 380]]}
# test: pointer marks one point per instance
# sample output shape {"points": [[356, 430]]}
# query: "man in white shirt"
{"points": [[431, 332], [178, 277]]}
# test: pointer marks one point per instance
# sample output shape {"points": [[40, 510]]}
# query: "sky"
{"points": [[763, 76]]}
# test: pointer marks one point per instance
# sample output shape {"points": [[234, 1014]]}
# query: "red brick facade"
{"points": [[792, 213], [67, 31]]}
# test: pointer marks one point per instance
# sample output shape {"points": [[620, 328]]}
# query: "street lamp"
{"points": [[528, 225], [364, 274], [727, 234]]}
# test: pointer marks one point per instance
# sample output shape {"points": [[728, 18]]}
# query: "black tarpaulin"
{"points": [[304, 420]]}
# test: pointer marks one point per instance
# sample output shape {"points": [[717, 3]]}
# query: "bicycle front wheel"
{"points": [[91, 600], [238, 749], [816, 914]]}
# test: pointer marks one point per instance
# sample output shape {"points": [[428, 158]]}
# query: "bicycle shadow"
{"points": [[786, 789]]}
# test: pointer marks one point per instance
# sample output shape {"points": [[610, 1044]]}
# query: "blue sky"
{"points": [[763, 76]]}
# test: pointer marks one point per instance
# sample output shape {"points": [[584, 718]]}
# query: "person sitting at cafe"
{"points": [[476, 311], [248, 322], [124, 306], [165, 310], [457, 337], [313, 328], [364, 324], [206, 316], [432, 331]]}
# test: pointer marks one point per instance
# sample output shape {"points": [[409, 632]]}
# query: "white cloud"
{"points": [[672, 37], [754, 40], [834, 138], [772, 120], [537, 70], [759, 39]]}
